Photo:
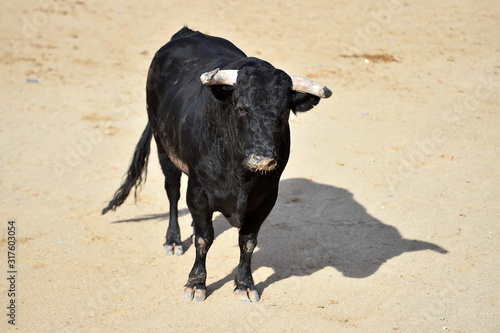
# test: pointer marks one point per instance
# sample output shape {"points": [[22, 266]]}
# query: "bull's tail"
{"points": [[137, 171]]}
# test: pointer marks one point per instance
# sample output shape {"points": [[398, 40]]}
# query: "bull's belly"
{"points": [[235, 210], [228, 207], [234, 220]]}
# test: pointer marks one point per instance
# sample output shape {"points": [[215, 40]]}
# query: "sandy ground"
{"points": [[388, 215]]}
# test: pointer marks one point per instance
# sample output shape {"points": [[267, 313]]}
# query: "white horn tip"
{"points": [[206, 78], [306, 85], [224, 76]]}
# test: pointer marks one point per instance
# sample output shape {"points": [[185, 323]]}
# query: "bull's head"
{"points": [[260, 100]]}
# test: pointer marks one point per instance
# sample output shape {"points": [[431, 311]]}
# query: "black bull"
{"points": [[229, 134]]}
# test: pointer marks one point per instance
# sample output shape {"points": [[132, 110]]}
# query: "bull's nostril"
{"points": [[272, 163]]}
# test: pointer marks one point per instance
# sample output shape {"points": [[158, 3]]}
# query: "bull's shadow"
{"points": [[314, 226]]}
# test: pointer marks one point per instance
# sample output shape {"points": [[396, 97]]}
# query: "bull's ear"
{"points": [[222, 92], [302, 102]]}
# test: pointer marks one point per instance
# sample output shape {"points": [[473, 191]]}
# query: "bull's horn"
{"points": [[225, 76], [301, 84]]}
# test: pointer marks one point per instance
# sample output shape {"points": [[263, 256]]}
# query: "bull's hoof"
{"points": [[173, 249], [247, 295], [194, 294]]}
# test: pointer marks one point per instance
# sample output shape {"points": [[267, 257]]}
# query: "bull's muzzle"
{"points": [[261, 163]]}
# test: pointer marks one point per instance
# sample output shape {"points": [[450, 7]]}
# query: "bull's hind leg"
{"points": [[173, 244], [244, 286]]}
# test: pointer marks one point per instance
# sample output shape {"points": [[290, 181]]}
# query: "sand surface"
{"points": [[388, 214]]}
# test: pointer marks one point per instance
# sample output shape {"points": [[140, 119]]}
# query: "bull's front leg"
{"points": [[195, 289], [244, 285]]}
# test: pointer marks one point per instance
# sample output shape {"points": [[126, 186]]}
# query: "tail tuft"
{"points": [[137, 172]]}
